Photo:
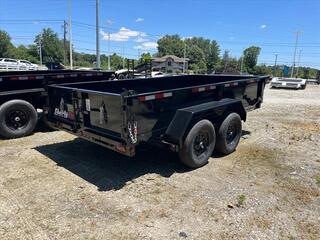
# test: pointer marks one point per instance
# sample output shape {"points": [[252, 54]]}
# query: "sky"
{"points": [[134, 26]]}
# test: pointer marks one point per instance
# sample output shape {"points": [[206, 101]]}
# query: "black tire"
{"points": [[303, 86], [229, 134], [198, 145], [121, 76], [18, 118]]}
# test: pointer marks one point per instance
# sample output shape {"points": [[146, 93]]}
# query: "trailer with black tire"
{"points": [[193, 115], [22, 93]]}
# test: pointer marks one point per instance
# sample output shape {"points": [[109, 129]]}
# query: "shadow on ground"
{"points": [[109, 170]]}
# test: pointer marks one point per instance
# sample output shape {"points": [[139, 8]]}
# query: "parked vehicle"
{"points": [[26, 65], [293, 83], [23, 92], [9, 64], [189, 114]]}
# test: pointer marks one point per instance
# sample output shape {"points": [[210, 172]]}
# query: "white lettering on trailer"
{"points": [[60, 76], [201, 89], [89, 75], [39, 77], [73, 75], [60, 113], [23, 78], [212, 87]]}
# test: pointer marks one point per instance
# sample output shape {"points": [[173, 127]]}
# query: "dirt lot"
{"points": [[55, 186]]}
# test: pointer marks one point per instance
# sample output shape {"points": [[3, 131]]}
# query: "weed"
{"points": [[318, 179], [241, 199]]}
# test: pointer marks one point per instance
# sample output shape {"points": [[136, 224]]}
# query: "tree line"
{"points": [[204, 55]]}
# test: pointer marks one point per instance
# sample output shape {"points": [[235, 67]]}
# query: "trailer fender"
{"points": [[214, 111]]}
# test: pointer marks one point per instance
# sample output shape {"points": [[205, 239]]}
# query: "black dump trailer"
{"points": [[23, 92], [190, 114]]}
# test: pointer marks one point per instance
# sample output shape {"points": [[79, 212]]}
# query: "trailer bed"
{"points": [[128, 112]]}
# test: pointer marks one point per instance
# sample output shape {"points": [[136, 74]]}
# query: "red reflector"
{"points": [[121, 148], [142, 98], [71, 115], [159, 95]]}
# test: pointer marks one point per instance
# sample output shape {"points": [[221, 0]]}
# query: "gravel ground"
{"points": [[55, 186]]}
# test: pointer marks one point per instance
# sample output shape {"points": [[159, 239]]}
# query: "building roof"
{"points": [[173, 57]]}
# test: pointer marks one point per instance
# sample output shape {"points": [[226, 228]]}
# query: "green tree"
{"points": [[196, 59], [6, 46], [213, 58], [170, 45], [52, 47], [228, 64], [209, 48], [145, 57], [250, 58]]}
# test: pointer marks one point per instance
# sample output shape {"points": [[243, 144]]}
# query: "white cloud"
{"points": [[123, 35], [139, 20], [147, 46], [263, 26], [141, 39], [110, 22]]}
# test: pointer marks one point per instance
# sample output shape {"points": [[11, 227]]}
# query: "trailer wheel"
{"points": [[18, 118], [121, 76], [229, 134], [198, 145]]}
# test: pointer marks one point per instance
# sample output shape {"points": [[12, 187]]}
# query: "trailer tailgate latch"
{"points": [[133, 132]]}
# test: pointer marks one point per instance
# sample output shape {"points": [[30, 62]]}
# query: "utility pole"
{"points": [[184, 58], [295, 52], [70, 37], [109, 60], [123, 61], [275, 65], [40, 49], [241, 67], [97, 33], [64, 42], [298, 63], [109, 23]]}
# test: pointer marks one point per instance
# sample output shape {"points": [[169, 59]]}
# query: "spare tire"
{"points": [[18, 118]]}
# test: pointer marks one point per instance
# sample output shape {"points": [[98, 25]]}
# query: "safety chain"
{"points": [[133, 133]]}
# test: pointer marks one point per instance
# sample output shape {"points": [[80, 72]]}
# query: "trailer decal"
{"points": [[231, 84], [88, 107], [203, 89], [155, 96], [251, 81]]}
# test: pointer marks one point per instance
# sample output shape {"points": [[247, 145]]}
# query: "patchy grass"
{"points": [[318, 180], [241, 200]]}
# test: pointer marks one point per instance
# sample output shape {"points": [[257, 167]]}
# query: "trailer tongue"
{"points": [[191, 114]]}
